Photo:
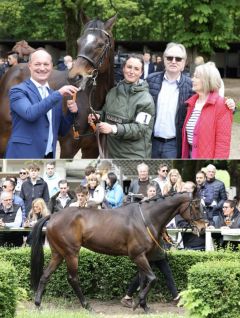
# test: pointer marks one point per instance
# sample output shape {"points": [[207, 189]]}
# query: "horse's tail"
{"points": [[37, 254]]}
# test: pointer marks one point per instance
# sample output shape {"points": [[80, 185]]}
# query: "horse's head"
{"points": [[191, 210], [23, 48], [95, 51]]}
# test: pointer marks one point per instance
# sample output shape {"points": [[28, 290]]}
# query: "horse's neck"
{"points": [[161, 214], [104, 84]]}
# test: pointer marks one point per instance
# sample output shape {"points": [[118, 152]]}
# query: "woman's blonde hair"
{"points": [[210, 76], [44, 210], [94, 177], [177, 187]]}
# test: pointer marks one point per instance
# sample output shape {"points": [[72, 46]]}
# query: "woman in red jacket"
{"points": [[206, 131]]}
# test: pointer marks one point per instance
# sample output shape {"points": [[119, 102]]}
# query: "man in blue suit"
{"points": [[36, 110]]}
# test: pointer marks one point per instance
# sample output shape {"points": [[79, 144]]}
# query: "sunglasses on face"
{"points": [[164, 170], [177, 58], [22, 172]]}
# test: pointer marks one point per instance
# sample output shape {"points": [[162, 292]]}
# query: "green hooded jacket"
{"points": [[131, 108]]}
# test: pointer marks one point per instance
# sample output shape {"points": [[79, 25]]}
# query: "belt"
{"points": [[163, 139]]}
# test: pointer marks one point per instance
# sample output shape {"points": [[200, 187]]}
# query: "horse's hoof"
{"points": [[145, 308], [135, 305], [88, 307], [37, 303]]}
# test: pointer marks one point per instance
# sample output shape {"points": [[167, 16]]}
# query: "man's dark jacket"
{"points": [[185, 91]]}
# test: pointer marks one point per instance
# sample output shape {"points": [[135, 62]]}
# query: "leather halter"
{"points": [[98, 63]]}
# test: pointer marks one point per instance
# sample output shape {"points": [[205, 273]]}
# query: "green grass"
{"points": [[66, 314], [63, 309]]}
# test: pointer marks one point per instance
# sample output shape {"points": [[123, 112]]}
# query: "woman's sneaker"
{"points": [[129, 303], [176, 299]]}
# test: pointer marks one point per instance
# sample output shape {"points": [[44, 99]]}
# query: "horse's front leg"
{"points": [[147, 280]]}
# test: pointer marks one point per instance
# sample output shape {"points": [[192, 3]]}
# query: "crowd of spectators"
{"points": [[27, 198]]}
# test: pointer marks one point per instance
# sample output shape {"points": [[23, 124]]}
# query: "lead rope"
{"points": [[149, 231]]}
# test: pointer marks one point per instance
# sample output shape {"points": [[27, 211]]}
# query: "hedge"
{"points": [[107, 277], [213, 290], [8, 289]]}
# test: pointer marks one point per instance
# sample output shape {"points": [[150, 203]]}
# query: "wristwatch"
{"points": [[114, 129]]}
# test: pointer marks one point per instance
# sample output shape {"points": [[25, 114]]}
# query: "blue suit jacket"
{"points": [[30, 123]]}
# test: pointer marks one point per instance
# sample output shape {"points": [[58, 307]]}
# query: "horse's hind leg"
{"points": [[72, 267], [52, 266]]}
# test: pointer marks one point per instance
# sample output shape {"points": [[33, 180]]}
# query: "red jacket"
{"points": [[212, 133]]}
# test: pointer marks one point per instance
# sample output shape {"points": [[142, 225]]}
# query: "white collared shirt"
{"points": [[44, 92], [17, 221], [146, 67], [167, 103]]}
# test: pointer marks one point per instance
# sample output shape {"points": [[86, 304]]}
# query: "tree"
{"points": [[199, 24]]}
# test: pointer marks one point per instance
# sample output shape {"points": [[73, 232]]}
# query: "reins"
{"points": [[149, 231]]}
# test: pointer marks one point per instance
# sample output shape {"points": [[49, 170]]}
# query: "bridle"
{"points": [[98, 63], [190, 225], [190, 207]]}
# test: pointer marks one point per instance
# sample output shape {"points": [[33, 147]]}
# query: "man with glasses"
{"points": [[162, 175], [23, 174], [170, 90], [9, 186], [10, 217], [228, 218]]}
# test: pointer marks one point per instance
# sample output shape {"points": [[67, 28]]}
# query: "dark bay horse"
{"points": [[93, 64], [125, 233], [93, 73]]}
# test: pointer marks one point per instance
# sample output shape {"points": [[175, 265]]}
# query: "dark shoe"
{"points": [[129, 303]]}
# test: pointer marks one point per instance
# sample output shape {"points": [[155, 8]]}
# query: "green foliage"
{"points": [[107, 277], [8, 289], [200, 25], [213, 290]]}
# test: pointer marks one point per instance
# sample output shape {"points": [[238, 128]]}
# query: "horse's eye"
{"points": [[100, 45]]}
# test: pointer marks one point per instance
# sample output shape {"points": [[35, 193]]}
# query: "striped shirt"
{"points": [[191, 125]]}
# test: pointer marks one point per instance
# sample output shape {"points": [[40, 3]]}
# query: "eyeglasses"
{"points": [[92, 179], [177, 58], [226, 207], [22, 172]]}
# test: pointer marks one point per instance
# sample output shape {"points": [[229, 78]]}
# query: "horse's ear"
{"points": [[108, 25], [83, 17], [195, 193]]}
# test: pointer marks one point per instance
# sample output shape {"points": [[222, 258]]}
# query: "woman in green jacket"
{"points": [[128, 114]]}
